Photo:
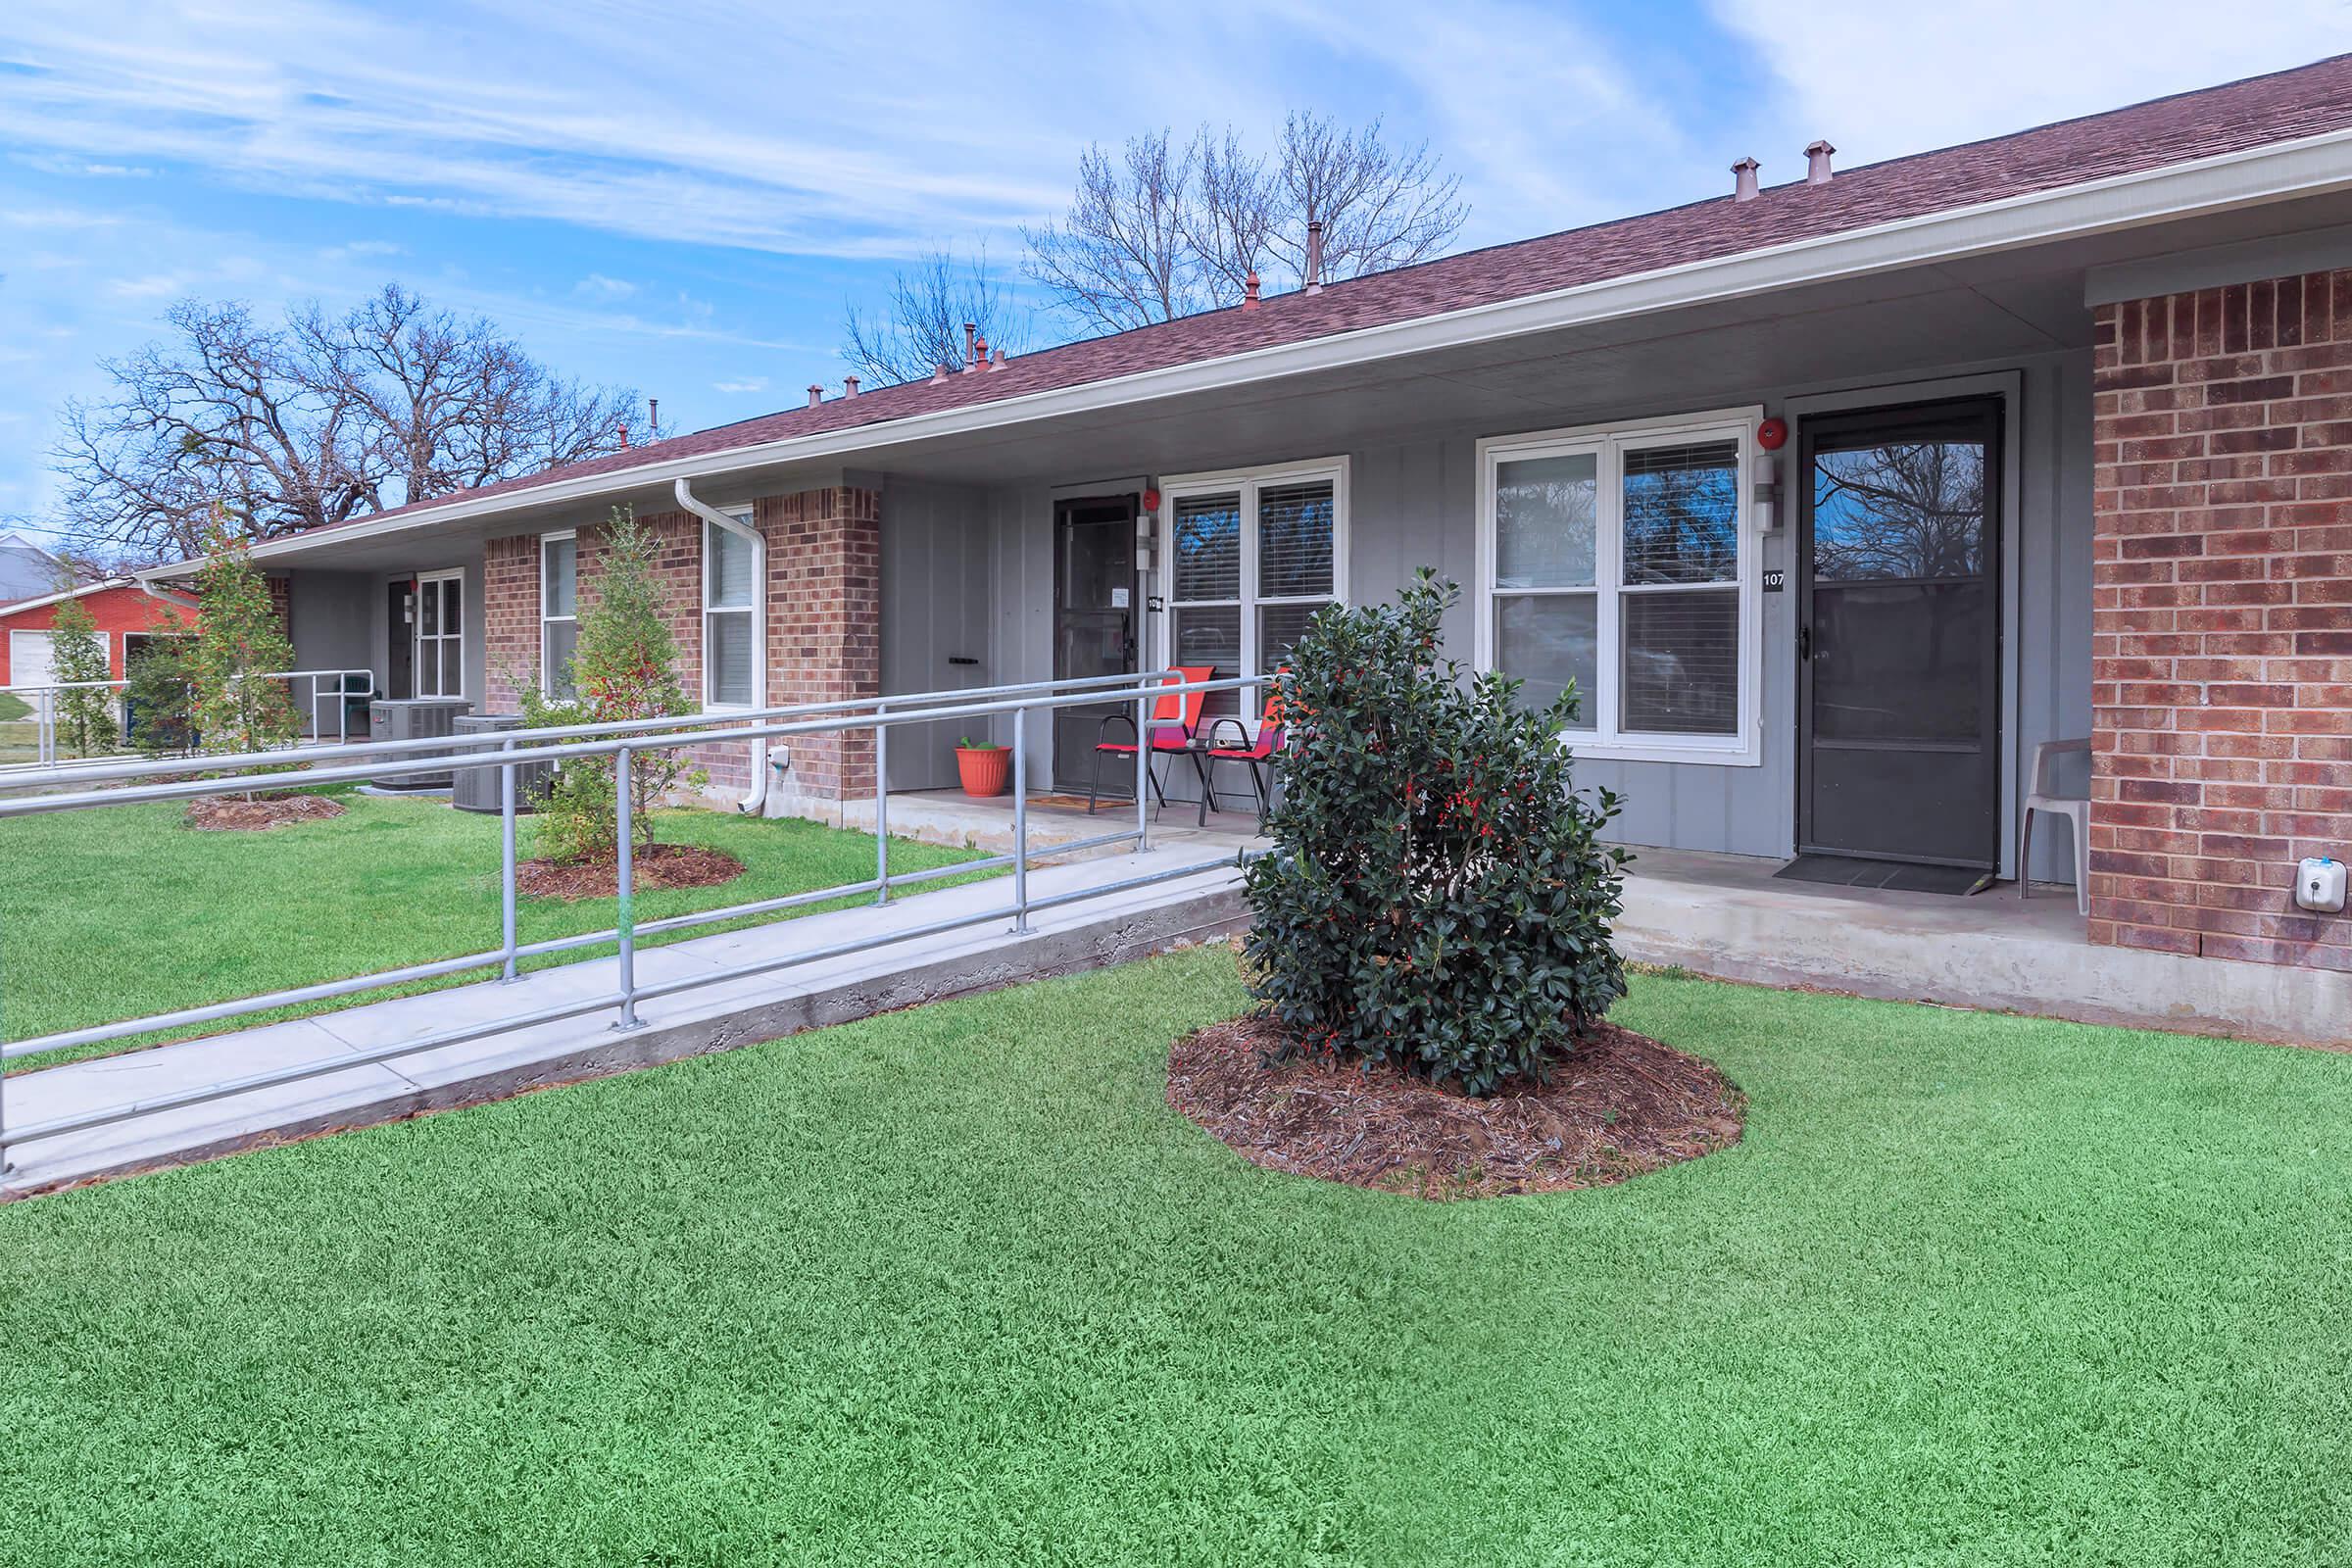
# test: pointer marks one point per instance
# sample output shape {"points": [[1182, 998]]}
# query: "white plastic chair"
{"points": [[2076, 808]]}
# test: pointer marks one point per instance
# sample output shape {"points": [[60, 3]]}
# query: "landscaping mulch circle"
{"points": [[233, 813], [661, 865], [1623, 1103]]}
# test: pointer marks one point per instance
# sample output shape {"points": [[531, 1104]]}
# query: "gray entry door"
{"points": [[1899, 636], [1094, 622]]}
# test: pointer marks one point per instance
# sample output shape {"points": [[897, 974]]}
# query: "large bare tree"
{"points": [[1163, 230], [313, 421], [922, 326]]}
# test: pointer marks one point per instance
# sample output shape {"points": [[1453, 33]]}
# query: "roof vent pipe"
{"points": [[971, 340], [1743, 179], [1249, 291], [816, 393], [1314, 257], [997, 363], [849, 386], [938, 371], [1817, 163]]}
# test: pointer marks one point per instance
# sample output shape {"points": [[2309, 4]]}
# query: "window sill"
{"points": [[1735, 751]]}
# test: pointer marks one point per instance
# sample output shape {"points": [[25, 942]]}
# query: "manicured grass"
{"points": [[123, 911], [14, 707], [952, 1285]]}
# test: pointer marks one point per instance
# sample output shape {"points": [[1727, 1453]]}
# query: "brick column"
{"points": [[509, 622], [2221, 617], [825, 625]]}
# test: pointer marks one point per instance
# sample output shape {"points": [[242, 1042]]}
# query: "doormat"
{"points": [[1904, 876]]}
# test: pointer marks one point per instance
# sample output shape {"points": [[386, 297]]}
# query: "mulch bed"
{"points": [[233, 813], [1622, 1103], [663, 865]]}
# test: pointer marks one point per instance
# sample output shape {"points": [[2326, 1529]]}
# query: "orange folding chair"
{"points": [[1175, 720]]}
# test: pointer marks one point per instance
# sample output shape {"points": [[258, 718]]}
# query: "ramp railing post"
{"points": [[1020, 822], [505, 862], [1142, 771], [881, 804], [625, 869]]}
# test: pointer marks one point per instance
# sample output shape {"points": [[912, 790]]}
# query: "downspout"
{"points": [[755, 802]]}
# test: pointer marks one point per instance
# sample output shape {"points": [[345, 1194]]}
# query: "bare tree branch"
{"points": [[1119, 260], [922, 326], [317, 421]]}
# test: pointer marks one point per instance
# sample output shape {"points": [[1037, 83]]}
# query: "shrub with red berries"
{"points": [[1439, 898]]}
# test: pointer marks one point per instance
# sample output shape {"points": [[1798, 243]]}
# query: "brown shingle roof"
{"points": [[2281, 107]]}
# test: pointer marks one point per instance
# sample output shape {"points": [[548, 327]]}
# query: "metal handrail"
{"points": [[686, 724], [45, 741], [556, 744]]}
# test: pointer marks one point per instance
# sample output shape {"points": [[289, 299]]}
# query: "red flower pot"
{"points": [[984, 770]]}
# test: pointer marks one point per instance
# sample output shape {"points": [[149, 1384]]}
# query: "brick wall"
{"points": [[509, 622], [823, 623], [2221, 617]]}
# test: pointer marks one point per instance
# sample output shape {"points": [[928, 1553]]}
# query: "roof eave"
{"points": [[2278, 171]]}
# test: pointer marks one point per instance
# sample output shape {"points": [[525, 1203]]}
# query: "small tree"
{"points": [[624, 667], [238, 636], [156, 696], [1439, 898], [86, 717]]}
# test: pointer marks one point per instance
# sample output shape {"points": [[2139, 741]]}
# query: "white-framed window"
{"points": [[730, 592], [1622, 556], [1248, 557], [440, 659], [558, 612]]}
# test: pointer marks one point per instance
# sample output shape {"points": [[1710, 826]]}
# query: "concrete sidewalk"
{"points": [[1108, 929]]}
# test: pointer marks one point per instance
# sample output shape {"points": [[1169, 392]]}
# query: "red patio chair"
{"points": [[1260, 753], [1175, 719]]}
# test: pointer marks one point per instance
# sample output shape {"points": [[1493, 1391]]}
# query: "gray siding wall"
{"points": [[1413, 503], [937, 605]]}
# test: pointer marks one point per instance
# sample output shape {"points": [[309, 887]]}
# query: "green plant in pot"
{"points": [[984, 766]]}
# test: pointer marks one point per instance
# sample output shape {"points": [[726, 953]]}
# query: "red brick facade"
{"points": [[823, 614], [2221, 617]]}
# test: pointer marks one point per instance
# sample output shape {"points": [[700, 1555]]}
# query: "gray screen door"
{"points": [[1094, 619], [1899, 633]]}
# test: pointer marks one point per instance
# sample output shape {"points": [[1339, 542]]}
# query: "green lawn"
{"points": [[14, 707], [122, 912], [952, 1285]]}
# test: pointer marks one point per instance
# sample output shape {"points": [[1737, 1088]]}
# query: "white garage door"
{"points": [[29, 659]]}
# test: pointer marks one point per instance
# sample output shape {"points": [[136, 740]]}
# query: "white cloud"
{"points": [[360, 250], [1882, 81], [748, 383], [596, 286], [153, 286]]}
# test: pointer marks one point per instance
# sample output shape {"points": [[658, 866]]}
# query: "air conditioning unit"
{"points": [[477, 788], [414, 719]]}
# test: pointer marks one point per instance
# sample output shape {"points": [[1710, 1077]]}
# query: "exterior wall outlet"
{"points": [[2320, 885]]}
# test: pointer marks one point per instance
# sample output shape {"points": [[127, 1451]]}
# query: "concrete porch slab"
{"points": [[1726, 915]]}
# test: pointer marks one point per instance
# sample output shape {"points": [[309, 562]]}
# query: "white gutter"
{"points": [[755, 802], [2277, 171]]}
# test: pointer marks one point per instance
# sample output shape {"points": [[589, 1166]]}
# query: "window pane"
{"points": [[428, 668], [1293, 540], [727, 645], [1211, 637], [1543, 520], [1682, 662], [562, 639], [560, 560], [1547, 641], [429, 595], [1278, 627], [730, 568], [1206, 548], [1902, 661], [1908, 509], [453, 620], [1682, 514]]}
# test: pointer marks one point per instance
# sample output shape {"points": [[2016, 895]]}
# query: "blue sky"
{"points": [[681, 198]]}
